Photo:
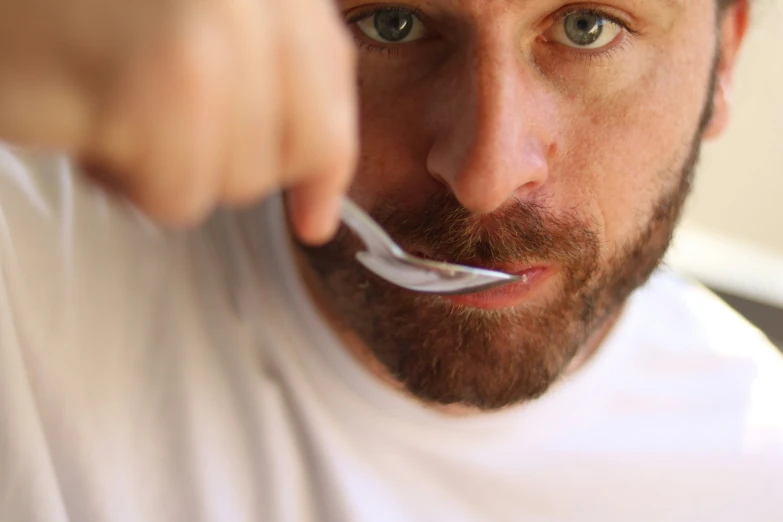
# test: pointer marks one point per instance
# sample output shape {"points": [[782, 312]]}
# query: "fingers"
{"points": [[320, 137], [241, 98], [314, 206], [253, 152], [164, 132]]}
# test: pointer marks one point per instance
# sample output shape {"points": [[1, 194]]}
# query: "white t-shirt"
{"points": [[156, 376]]}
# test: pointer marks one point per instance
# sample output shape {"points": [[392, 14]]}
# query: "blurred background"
{"points": [[732, 234]]}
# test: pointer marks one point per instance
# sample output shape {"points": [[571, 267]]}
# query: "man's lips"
{"points": [[516, 269], [510, 295], [531, 276]]}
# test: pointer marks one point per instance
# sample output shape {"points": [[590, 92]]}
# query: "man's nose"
{"points": [[493, 133]]}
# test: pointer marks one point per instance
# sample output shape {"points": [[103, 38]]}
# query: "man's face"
{"points": [[542, 137]]}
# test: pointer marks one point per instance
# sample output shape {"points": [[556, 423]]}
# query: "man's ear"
{"points": [[732, 28]]}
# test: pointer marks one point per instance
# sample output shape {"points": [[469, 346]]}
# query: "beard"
{"points": [[490, 359]]}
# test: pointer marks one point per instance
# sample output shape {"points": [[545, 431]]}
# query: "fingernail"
{"points": [[325, 220]]}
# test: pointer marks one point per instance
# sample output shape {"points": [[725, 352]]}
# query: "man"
{"points": [[233, 371]]}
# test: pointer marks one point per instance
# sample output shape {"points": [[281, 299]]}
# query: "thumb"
{"points": [[314, 208]]}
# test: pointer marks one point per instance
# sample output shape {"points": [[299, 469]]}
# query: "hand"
{"points": [[184, 105]]}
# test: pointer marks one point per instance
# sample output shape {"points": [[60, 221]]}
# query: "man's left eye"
{"points": [[584, 30], [392, 26]]}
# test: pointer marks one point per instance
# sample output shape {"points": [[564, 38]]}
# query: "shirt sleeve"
{"points": [[31, 190], [70, 259]]}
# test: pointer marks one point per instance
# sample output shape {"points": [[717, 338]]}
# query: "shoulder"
{"points": [[683, 317], [716, 372], [30, 186], [59, 233], [107, 324], [42, 194]]}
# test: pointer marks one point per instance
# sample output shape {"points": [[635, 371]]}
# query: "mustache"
{"points": [[520, 232]]}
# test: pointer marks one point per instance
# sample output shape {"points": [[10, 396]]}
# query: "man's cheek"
{"points": [[608, 169], [396, 140]]}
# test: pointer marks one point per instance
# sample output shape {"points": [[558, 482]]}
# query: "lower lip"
{"points": [[505, 296]]}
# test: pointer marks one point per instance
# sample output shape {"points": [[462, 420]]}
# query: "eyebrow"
{"points": [[667, 9], [675, 4]]}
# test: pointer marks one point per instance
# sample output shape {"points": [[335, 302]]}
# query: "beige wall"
{"points": [[739, 192]]}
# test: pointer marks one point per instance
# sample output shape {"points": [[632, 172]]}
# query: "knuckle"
{"points": [[247, 190], [185, 210], [340, 157], [340, 140], [167, 192], [345, 49], [328, 139]]}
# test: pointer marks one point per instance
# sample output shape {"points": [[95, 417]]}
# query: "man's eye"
{"points": [[392, 26], [584, 30]]}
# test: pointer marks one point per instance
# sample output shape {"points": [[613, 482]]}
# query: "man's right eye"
{"points": [[391, 25]]}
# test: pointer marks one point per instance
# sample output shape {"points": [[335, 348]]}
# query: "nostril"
{"points": [[437, 177]]}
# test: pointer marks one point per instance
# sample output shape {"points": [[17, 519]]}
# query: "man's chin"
{"points": [[484, 359]]}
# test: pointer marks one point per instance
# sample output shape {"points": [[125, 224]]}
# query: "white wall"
{"points": [[733, 229]]}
